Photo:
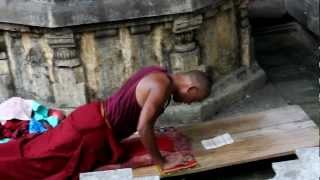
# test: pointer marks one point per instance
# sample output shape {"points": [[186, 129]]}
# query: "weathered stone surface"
{"points": [[36, 81], [140, 29], [29, 67], [188, 47], [289, 170], [61, 39], [306, 167], [64, 53], [69, 96], [180, 115], [74, 62], [106, 33], [246, 47], [185, 61], [65, 57], [219, 42], [60, 13], [187, 23], [68, 91], [3, 55], [109, 61], [184, 42], [4, 68], [68, 84], [267, 9], [6, 89]]}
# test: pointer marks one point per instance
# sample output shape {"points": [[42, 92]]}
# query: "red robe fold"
{"points": [[80, 143], [171, 143]]}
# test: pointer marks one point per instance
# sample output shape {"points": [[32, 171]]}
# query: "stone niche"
{"points": [[67, 53]]}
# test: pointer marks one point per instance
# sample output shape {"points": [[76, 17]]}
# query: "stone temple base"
{"points": [[224, 92]]}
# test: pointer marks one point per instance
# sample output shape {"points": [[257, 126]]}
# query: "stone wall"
{"points": [[73, 65]]}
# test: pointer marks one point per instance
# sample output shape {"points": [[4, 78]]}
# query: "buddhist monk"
{"points": [[89, 137]]}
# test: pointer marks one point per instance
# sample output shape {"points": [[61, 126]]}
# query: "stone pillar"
{"points": [[142, 53], [69, 83], [186, 52], [104, 71], [246, 51], [6, 89]]}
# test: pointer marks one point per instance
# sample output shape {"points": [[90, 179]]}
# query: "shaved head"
{"points": [[192, 86], [201, 79]]}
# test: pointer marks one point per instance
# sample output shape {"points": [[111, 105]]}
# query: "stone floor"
{"points": [[305, 167], [293, 73]]}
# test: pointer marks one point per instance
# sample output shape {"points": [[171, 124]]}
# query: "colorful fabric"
{"points": [[40, 112], [170, 142], [20, 117], [81, 143], [36, 127]]}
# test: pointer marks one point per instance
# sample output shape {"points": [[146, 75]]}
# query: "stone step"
{"points": [[298, 91], [306, 167], [310, 159], [287, 170]]}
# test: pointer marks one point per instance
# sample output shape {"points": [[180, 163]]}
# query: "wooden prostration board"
{"points": [[257, 136]]}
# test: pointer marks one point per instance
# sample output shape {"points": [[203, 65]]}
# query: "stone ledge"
{"points": [[62, 13], [225, 92]]}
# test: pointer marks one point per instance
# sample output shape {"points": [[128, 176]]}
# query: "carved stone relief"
{"points": [[35, 74], [28, 66], [186, 53], [69, 85]]}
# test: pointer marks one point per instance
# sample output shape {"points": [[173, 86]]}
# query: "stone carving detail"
{"points": [[36, 83], [186, 53], [28, 67], [66, 57], [186, 23], [140, 29], [5, 78], [106, 33], [69, 85], [184, 42], [61, 39]]}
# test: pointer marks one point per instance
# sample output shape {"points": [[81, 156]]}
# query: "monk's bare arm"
{"points": [[157, 94]]}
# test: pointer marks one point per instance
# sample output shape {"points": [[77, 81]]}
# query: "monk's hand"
{"points": [[172, 160]]}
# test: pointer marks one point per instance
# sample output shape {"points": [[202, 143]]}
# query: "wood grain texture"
{"points": [[257, 136]]}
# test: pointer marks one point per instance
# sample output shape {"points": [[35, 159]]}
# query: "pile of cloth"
{"points": [[22, 117]]}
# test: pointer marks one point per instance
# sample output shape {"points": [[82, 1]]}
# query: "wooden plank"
{"points": [[257, 136], [242, 137], [248, 122]]}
